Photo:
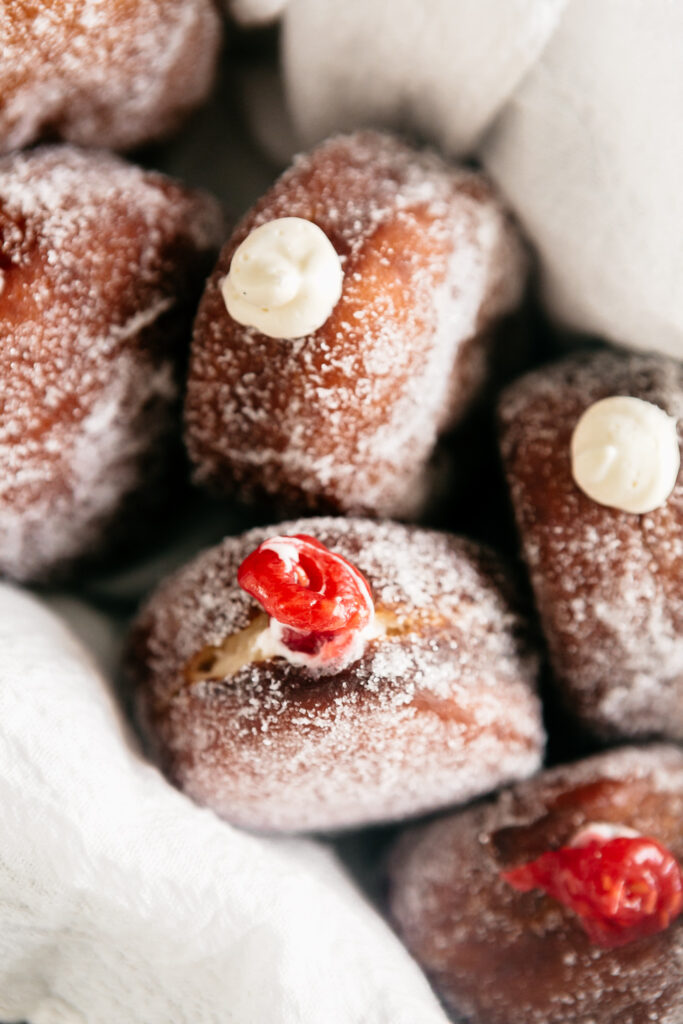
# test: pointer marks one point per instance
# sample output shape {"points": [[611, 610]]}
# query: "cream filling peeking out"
{"points": [[284, 279], [271, 645], [625, 454], [260, 641], [604, 831]]}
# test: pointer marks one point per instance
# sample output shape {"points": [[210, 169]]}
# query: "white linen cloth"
{"points": [[123, 903], [574, 107], [255, 12]]}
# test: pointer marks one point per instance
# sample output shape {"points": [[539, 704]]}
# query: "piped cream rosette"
{"points": [[625, 454], [285, 279]]}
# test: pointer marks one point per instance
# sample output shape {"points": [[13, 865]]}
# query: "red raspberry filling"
{"points": [[622, 889], [320, 598]]}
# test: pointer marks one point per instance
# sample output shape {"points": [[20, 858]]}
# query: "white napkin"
{"points": [[255, 12], [583, 103], [123, 903], [445, 66], [590, 152]]}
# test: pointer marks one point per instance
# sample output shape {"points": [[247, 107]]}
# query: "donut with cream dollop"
{"points": [[557, 903], [341, 411], [100, 266], [113, 74], [425, 697], [608, 580]]}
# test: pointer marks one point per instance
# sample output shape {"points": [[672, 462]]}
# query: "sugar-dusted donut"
{"points": [[608, 582], [498, 955], [430, 702], [340, 411], [115, 73], [100, 265]]}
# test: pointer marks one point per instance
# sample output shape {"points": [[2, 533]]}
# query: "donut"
{"points": [[326, 673], [112, 74], [348, 324], [101, 264], [606, 569], [599, 942]]}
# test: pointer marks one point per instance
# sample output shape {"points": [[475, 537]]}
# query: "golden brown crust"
{"points": [[502, 957], [345, 419], [442, 709], [112, 74], [100, 264], [608, 584]]}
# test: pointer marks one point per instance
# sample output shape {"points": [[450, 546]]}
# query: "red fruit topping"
{"points": [[320, 598], [622, 889]]}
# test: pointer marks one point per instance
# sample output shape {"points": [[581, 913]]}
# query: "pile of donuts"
{"points": [[353, 665]]}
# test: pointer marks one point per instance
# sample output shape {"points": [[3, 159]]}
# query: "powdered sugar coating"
{"points": [[345, 418], [101, 262], [110, 73], [439, 713], [502, 957], [607, 583]]}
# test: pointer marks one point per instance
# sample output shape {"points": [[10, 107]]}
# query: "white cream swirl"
{"points": [[625, 454], [603, 831], [285, 279]]}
